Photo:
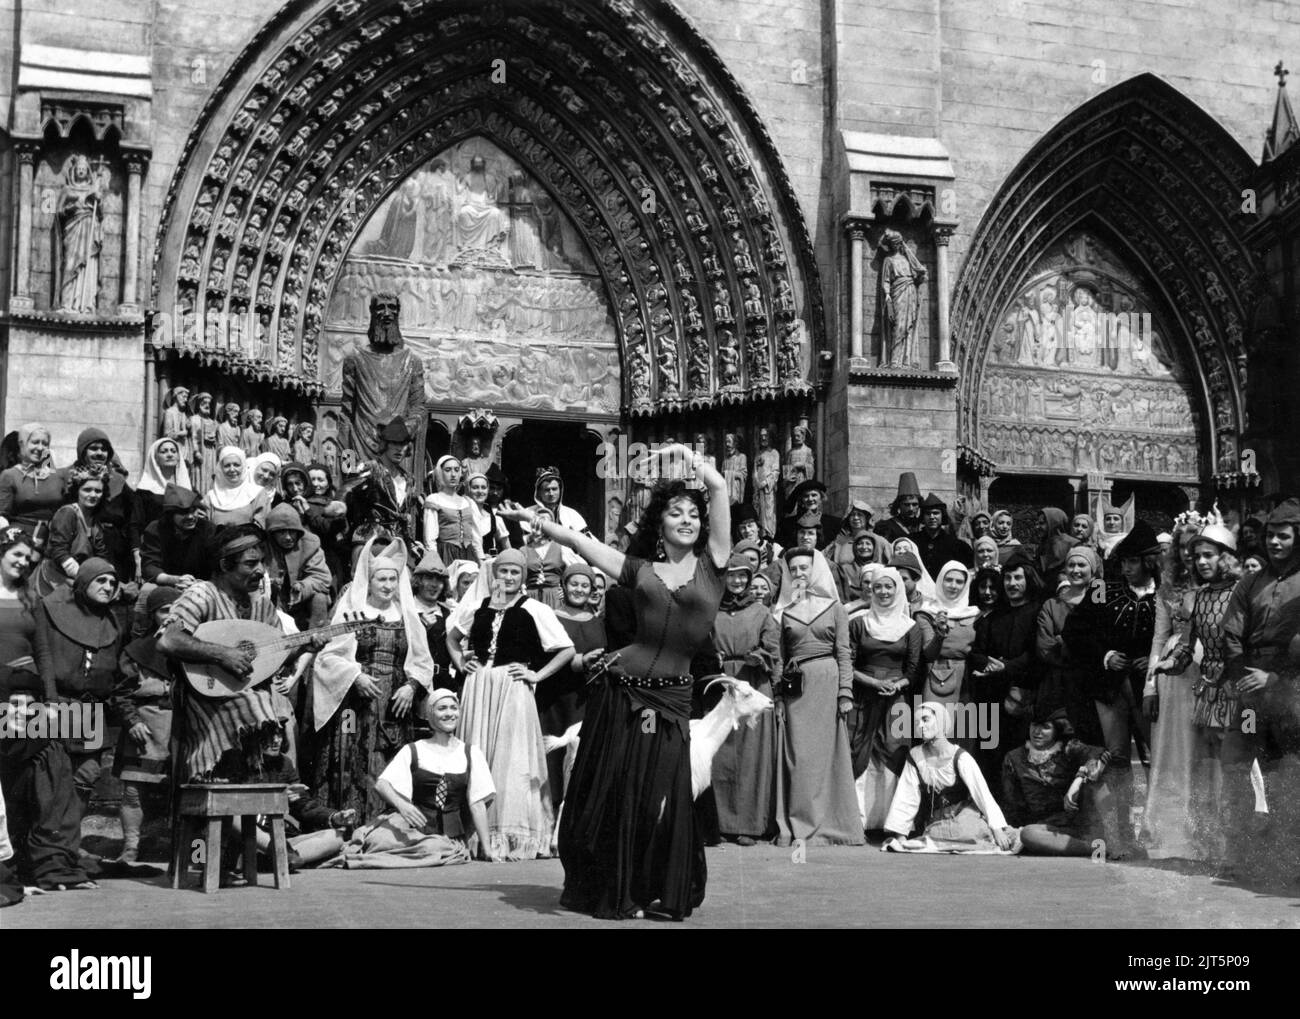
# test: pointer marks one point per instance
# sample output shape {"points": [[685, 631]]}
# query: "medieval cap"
{"points": [[430, 564], [809, 521], [284, 517], [804, 487], [907, 561], [907, 486], [1286, 512], [396, 431], [19, 680], [179, 500], [1142, 540]]}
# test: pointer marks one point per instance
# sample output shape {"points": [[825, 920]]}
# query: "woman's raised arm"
{"points": [[596, 553]]}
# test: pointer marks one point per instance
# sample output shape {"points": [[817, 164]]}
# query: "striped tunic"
{"points": [[213, 726]]}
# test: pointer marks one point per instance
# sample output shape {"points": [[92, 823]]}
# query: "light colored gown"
{"points": [[1167, 829], [820, 804]]}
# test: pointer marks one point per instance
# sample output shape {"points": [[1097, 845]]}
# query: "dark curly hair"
{"points": [[9, 537], [644, 544], [981, 575], [77, 477]]}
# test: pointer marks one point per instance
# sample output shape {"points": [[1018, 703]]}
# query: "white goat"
{"points": [[740, 701]]}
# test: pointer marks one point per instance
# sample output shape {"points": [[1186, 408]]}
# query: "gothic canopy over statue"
{"points": [[620, 112]]}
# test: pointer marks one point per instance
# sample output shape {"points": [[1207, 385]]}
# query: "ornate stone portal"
{"points": [[619, 114], [500, 296], [1081, 378]]}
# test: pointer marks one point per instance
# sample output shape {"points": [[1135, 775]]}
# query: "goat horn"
{"points": [[727, 680]]}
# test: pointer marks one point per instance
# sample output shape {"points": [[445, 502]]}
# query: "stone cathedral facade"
{"points": [[1033, 252]]}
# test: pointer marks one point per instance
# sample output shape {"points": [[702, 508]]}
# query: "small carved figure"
{"points": [[81, 234], [901, 275]]}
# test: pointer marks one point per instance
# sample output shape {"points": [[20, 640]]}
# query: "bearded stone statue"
{"points": [[381, 382]]}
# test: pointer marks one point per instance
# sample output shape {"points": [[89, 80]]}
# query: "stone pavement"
{"points": [[756, 886]]}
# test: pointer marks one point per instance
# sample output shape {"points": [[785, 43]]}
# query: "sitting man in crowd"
{"points": [[300, 576], [173, 549], [1041, 783], [316, 833]]}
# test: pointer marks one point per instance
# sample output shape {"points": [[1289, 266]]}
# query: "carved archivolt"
{"points": [[1144, 166], [629, 120]]}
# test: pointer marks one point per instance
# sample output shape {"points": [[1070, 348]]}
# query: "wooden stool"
{"points": [[214, 803]]}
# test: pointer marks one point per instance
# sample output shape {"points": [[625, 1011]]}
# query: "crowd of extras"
{"points": [[482, 679]]}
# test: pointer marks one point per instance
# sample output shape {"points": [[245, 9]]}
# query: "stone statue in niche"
{"points": [[639, 370], [760, 371], [697, 369], [800, 464], [669, 379], [735, 468], [767, 473], [250, 439], [380, 382], [691, 317], [790, 354], [80, 233], [899, 299], [728, 359], [475, 460], [721, 303], [228, 431], [784, 299], [189, 269]]}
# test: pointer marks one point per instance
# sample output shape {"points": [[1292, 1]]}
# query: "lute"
{"points": [[271, 648]]}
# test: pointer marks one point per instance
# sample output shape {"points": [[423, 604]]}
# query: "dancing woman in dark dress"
{"points": [[628, 836]]}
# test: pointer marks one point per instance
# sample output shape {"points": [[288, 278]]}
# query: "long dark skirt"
{"points": [[744, 771], [628, 835], [353, 748], [44, 818]]}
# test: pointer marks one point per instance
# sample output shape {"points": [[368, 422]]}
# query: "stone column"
{"points": [[1079, 485], [22, 295], [941, 285], [856, 358], [131, 261]]}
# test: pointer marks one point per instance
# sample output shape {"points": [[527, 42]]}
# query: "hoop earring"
{"points": [[660, 551]]}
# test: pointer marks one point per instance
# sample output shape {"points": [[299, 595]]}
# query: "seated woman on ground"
{"points": [[942, 795], [42, 811], [1041, 785], [439, 790]]}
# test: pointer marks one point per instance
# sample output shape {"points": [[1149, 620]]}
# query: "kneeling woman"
{"points": [[515, 642], [942, 794], [438, 790]]}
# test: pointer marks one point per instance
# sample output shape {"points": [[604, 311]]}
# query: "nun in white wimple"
{"points": [[367, 682], [947, 623], [887, 663]]}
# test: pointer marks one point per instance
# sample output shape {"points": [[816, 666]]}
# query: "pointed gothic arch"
{"points": [[621, 111], [1163, 181]]}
